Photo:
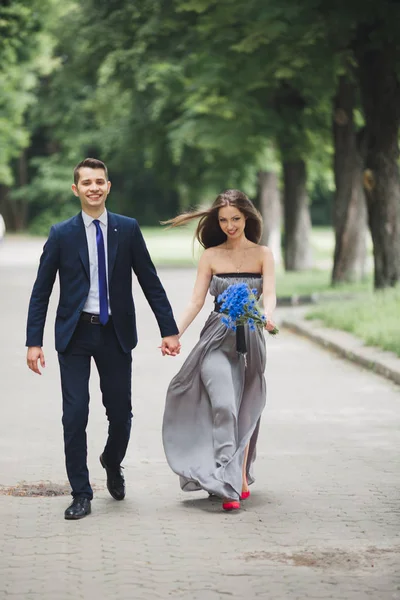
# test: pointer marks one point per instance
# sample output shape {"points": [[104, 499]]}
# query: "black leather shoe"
{"points": [[115, 480], [79, 508]]}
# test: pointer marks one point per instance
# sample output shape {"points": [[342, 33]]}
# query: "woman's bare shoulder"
{"points": [[254, 246], [265, 251], [213, 250], [207, 252], [207, 255]]}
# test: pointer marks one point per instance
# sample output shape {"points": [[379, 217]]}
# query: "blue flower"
{"points": [[221, 297], [239, 305]]}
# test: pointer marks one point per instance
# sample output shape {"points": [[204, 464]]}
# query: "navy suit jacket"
{"points": [[66, 252]]}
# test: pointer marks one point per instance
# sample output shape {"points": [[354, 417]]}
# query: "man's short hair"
{"points": [[91, 163]]}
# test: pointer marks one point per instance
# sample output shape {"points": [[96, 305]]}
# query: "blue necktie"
{"points": [[101, 261]]}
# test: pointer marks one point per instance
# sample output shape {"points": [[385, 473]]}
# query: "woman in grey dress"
{"points": [[214, 403]]}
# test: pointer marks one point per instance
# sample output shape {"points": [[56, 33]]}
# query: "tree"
{"points": [[350, 209], [24, 56], [369, 32], [227, 67], [378, 53], [269, 200], [72, 118]]}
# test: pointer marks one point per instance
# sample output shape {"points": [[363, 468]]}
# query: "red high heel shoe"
{"points": [[231, 505], [245, 495]]}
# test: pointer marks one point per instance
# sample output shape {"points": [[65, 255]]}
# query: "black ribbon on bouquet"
{"points": [[240, 333], [240, 340]]}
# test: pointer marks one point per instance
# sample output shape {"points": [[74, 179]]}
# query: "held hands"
{"points": [[35, 354], [170, 346]]}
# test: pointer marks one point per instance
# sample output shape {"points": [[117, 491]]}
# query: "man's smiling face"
{"points": [[92, 189]]}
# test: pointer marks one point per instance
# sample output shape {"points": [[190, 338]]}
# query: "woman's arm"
{"points": [[269, 294], [204, 274]]}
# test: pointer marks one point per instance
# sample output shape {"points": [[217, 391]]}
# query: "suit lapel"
{"points": [[112, 242], [81, 243]]}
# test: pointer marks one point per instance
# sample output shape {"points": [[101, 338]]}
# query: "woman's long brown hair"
{"points": [[208, 231]]}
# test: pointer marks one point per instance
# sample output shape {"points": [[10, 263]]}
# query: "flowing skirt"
{"points": [[213, 411]]}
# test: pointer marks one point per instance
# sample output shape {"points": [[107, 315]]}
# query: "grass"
{"points": [[373, 317], [317, 281]]}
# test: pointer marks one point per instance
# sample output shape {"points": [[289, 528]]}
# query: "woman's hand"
{"points": [[269, 325]]}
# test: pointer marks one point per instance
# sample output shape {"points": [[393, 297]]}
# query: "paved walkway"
{"points": [[323, 518]]}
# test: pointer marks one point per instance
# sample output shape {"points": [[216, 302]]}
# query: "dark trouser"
{"points": [[115, 371]]}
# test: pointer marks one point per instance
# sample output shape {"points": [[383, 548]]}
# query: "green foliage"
{"points": [[42, 223], [24, 57], [373, 318], [181, 99], [211, 83], [321, 203], [49, 194]]}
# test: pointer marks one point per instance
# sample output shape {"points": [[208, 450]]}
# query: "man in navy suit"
{"points": [[94, 254]]}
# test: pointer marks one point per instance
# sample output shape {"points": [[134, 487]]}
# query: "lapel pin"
{"points": [[115, 230]]}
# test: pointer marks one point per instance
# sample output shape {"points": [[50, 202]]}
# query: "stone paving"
{"points": [[323, 518]]}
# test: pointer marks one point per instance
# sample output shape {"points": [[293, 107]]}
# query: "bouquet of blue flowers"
{"points": [[239, 303]]}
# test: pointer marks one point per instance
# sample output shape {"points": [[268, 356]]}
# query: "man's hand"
{"points": [[35, 353], [170, 345]]}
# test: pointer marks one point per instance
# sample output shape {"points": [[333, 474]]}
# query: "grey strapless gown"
{"points": [[214, 404]]}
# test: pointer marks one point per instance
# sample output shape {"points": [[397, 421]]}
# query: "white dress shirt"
{"points": [[92, 304]]}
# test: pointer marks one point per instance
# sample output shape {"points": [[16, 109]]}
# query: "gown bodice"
{"points": [[221, 281]]}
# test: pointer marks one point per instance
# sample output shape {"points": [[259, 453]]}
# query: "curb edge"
{"points": [[355, 357]]}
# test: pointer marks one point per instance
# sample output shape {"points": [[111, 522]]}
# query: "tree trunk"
{"points": [[21, 206], [290, 106], [350, 210], [271, 211], [298, 253], [15, 211], [380, 94], [5, 209]]}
